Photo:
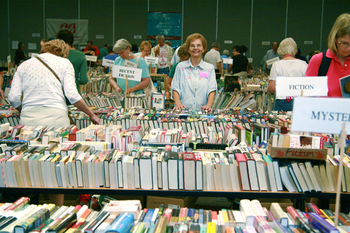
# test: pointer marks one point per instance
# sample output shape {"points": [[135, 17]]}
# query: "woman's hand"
{"points": [[130, 90], [95, 119], [207, 108], [179, 107], [118, 89]]}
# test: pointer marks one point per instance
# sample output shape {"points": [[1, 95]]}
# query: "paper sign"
{"points": [[265, 42], [35, 34], [127, 72], [137, 37], [227, 61], [31, 46], [154, 60], [292, 86], [227, 41], [100, 36], [131, 64], [250, 60], [320, 115], [8, 59], [91, 58], [271, 61], [107, 62], [15, 44], [298, 153], [34, 54]]}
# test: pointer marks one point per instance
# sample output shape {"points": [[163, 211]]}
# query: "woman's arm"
{"points": [[168, 83], [141, 85], [83, 107], [178, 104], [210, 102], [272, 86], [83, 79], [114, 83]]}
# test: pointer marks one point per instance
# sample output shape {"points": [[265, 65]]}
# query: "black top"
{"points": [[19, 55], [240, 63]]}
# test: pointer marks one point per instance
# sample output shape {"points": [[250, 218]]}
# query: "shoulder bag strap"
{"points": [[324, 66], [53, 72], [138, 59]]}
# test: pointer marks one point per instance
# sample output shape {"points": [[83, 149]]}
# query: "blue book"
{"points": [[122, 224], [190, 214], [321, 224], [201, 217], [148, 218]]}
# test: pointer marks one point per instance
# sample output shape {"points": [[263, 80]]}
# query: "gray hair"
{"points": [[159, 37], [226, 52], [287, 47], [120, 45], [215, 45]]}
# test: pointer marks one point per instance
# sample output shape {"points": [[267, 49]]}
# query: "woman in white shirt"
{"points": [[38, 95], [289, 66]]}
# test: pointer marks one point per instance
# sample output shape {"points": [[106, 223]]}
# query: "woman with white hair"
{"points": [[122, 48], [289, 66]]}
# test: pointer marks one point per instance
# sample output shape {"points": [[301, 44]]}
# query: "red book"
{"points": [[243, 171], [73, 134], [292, 212]]}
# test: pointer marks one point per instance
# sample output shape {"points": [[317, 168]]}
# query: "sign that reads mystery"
{"points": [[320, 115], [293, 86], [107, 62], [154, 60], [127, 72]]}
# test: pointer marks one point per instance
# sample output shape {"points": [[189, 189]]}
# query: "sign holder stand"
{"points": [[337, 199], [126, 95]]}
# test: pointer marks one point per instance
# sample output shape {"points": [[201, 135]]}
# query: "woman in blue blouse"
{"points": [[122, 48], [194, 84]]}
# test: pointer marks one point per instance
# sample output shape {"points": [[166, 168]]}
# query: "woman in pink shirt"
{"points": [[338, 52]]}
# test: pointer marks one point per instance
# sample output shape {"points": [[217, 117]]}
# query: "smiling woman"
{"points": [[194, 84], [338, 55]]}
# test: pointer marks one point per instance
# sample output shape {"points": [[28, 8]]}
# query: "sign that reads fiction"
{"points": [[153, 60], [127, 72], [320, 115], [294, 86]]}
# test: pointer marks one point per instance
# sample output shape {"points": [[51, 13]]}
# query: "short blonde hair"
{"points": [[196, 36], [182, 52], [340, 28], [120, 45], [56, 47], [145, 44], [287, 47]]}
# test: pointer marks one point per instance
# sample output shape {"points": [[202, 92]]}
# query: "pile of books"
{"points": [[128, 216]]}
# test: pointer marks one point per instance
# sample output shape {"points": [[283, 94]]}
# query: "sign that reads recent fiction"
{"points": [[294, 86], [320, 115], [127, 72]]}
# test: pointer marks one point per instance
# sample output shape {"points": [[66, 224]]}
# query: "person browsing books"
{"points": [[336, 62], [146, 47], [122, 48], [289, 66], [194, 84], [43, 101]]}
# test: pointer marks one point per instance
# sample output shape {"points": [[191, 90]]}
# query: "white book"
{"points": [[279, 214], [287, 179], [239, 218], [306, 177], [300, 177], [276, 168], [112, 173], [146, 172], [330, 176], [126, 160], [271, 176], [319, 178], [103, 227], [165, 174], [154, 216], [234, 173], [312, 175], [154, 171], [247, 212], [256, 206]]}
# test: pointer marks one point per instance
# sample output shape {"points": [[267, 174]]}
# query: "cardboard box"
{"points": [[297, 153], [211, 202], [155, 202]]}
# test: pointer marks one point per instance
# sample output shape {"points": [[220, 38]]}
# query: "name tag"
{"points": [[107, 62], [128, 63], [294, 86], [203, 74], [153, 60], [127, 73], [271, 61]]}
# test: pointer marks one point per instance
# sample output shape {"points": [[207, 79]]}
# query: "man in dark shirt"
{"points": [[19, 55]]}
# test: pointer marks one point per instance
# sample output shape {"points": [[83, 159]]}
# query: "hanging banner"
{"points": [[166, 24], [79, 28]]}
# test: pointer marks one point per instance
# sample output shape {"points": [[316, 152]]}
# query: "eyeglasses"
{"points": [[121, 52], [345, 44]]}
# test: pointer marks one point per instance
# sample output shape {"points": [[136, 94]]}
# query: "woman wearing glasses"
{"points": [[337, 53], [122, 48]]}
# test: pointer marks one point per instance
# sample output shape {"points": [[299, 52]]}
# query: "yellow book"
{"points": [[211, 227]]}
